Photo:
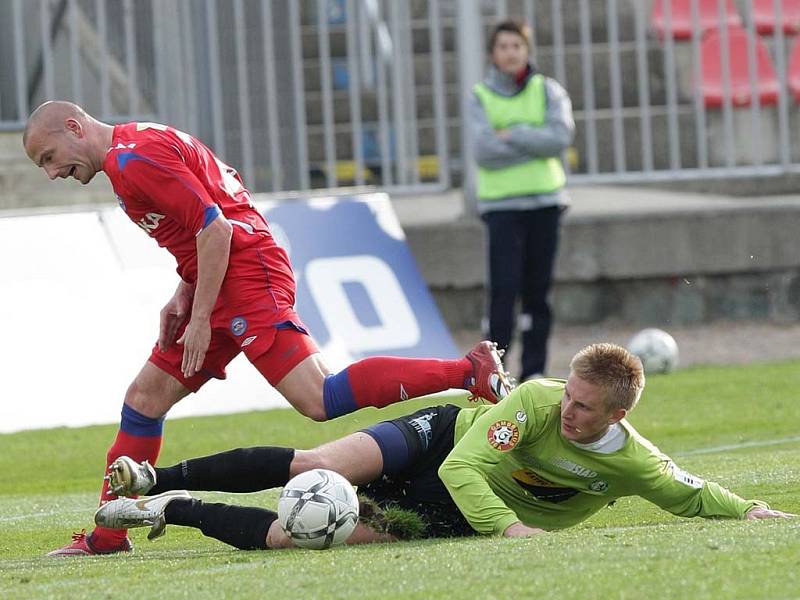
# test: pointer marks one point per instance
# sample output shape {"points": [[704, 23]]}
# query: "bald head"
{"points": [[51, 116], [65, 140]]}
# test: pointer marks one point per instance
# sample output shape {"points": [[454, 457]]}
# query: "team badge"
{"points": [[503, 435], [598, 485], [238, 326], [521, 416]]}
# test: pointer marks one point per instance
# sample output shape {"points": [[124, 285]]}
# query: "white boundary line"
{"points": [[42, 515], [753, 444]]}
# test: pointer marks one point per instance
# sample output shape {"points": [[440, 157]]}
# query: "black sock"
{"points": [[244, 527], [239, 470]]}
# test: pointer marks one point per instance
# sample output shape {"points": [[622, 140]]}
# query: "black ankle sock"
{"points": [[239, 470], [244, 527]]}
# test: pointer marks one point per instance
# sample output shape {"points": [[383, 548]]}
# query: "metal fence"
{"points": [[302, 94]]}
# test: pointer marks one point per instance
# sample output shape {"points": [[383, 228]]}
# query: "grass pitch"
{"points": [[739, 426]]}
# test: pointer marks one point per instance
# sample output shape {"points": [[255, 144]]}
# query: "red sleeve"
{"points": [[162, 179]]}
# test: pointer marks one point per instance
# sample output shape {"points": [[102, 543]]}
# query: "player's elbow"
{"points": [[219, 229], [224, 227], [445, 473]]}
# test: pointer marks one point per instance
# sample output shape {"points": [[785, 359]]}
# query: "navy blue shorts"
{"points": [[413, 449]]}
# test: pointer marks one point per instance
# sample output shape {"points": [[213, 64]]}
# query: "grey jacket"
{"points": [[526, 141]]}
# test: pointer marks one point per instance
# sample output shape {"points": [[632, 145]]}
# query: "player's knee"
{"points": [[145, 401], [277, 538], [306, 460], [314, 411]]}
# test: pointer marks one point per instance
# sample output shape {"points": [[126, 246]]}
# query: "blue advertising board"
{"points": [[359, 290]]}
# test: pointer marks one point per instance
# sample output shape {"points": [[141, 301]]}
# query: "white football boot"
{"points": [[126, 513], [126, 477]]}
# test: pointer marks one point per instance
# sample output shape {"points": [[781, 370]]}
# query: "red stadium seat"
{"points": [[681, 17], [711, 85], [794, 71], [765, 18]]}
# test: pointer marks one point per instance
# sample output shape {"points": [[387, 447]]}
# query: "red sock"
{"points": [[139, 448], [383, 380]]}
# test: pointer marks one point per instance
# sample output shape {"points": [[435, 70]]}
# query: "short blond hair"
{"points": [[614, 370]]}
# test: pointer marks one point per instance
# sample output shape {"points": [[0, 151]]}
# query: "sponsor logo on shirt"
{"points": [[149, 222], [121, 203], [542, 488], [503, 435], [249, 340], [239, 326], [520, 416], [572, 467]]}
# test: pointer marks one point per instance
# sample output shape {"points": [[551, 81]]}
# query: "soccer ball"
{"points": [[656, 349], [318, 509]]}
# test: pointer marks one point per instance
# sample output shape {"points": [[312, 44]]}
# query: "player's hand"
{"points": [[759, 512], [519, 530], [195, 339], [173, 315]]}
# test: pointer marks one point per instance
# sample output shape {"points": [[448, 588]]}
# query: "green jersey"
{"points": [[510, 463]]}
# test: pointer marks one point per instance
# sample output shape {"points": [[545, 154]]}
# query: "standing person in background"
{"points": [[521, 123]]}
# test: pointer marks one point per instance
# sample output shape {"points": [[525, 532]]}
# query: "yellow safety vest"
{"points": [[536, 176]]}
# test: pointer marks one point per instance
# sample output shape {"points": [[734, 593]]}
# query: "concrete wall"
{"points": [[640, 257]]}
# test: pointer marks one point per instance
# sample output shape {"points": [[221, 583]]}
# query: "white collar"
{"points": [[612, 440]]}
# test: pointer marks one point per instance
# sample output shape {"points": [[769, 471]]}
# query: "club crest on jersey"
{"points": [[503, 435], [238, 326]]}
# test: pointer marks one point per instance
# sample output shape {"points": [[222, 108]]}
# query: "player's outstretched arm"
{"points": [[687, 495], [759, 512]]}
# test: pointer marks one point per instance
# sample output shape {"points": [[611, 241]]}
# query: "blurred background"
{"points": [[683, 173]]}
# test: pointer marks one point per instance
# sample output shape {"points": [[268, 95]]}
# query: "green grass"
{"points": [[48, 482]]}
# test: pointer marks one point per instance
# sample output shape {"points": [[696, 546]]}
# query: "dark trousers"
{"points": [[522, 248]]}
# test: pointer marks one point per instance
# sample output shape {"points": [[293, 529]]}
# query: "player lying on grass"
{"points": [[236, 291], [548, 456]]}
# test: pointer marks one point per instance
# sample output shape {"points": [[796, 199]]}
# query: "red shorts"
{"points": [[248, 328]]}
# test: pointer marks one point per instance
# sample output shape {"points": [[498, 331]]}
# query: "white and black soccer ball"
{"points": [[318, 509], [657, 350]]}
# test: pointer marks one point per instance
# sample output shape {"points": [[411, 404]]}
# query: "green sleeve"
{"points": [[685, 495], [464, 472]]}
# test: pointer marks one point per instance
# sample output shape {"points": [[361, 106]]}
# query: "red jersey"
{"points": [[172, 186]]}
